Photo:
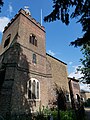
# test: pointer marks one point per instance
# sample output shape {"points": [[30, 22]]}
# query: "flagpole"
{"points": [[41, 17]]}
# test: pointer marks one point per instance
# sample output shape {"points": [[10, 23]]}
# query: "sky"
{"points": [[58, 35]]}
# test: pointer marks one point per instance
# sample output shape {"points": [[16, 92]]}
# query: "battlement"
{"points": [[23, 12]]}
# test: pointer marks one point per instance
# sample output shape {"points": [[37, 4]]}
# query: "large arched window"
{"points": [[33, 89]]}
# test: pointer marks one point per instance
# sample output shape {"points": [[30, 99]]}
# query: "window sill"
{"points": [[68, 101], [31, 100]]}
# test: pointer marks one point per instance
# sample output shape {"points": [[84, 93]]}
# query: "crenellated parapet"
{"points": [[28, 16]]}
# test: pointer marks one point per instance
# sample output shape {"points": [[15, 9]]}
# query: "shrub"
{"points": [[87, 103], [64, 115], [40, 116], [67, 115]]}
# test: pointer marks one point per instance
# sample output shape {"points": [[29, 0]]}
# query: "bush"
{"points": [[80, 113], [19, 117], [67, 115], [64, 115], [87, 103], [40, 116], [46, 113]]}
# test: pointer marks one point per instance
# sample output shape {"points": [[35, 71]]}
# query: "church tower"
{"points": [[27, 74], [23, 79]]}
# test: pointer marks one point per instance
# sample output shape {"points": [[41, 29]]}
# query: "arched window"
{"points": [[33, 89], [77, 98], [33, 39]]}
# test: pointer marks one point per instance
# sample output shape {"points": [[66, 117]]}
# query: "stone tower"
{"points": [[23, 78], [27, 74]]}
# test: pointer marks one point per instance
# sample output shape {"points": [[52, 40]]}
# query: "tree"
{"points": [[1, 4], [62, 11], [81, 11], [86, 63], [60, 99]]}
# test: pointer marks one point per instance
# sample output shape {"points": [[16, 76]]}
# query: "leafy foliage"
{"points": [[60, 98], [81, 41], [87, 103], [61, 10], [64, 115], [86, 63], [80, 113], [46, 113], [81, 11]]}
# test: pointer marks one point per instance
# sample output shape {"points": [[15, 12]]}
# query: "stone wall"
{"points": [[59, 72], [16, 58], [8, 64], [74, 92], [12, 30], [59, 80], [85, 95]]}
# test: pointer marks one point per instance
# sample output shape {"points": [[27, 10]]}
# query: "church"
{"points": [[27, 73]]}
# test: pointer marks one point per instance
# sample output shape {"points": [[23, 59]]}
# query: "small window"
{"points": [[67, 97], [34, 60], [33, 40], [33, 89], [7, 41], [77, 98]]}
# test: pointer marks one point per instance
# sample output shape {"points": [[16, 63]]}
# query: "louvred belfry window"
{"points": [[33, 40]]}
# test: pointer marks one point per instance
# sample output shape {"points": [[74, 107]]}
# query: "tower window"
{"points": [[33, 40], [34, 60], [7, 41], [33, 89]]}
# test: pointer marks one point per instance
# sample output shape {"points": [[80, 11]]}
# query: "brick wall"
{"points": [[59, 72], [19, 68]]}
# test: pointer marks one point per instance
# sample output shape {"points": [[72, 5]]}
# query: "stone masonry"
{"points": [[17, 68]]}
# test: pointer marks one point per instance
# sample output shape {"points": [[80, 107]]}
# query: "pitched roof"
{"points": [[55, 58]]}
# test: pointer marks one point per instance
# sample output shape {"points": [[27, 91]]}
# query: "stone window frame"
{"points": [[7, 41], [33, 39], [30, 94]]}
